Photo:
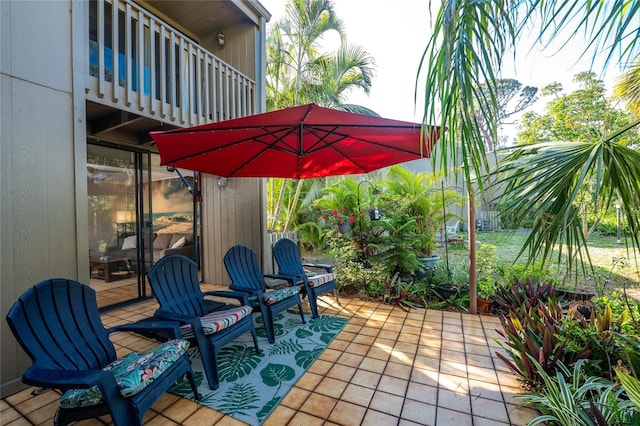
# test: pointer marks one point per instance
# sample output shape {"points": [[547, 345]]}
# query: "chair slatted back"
{"points": [[287, 257], [175, 284], [58, 324], [243, 268]]}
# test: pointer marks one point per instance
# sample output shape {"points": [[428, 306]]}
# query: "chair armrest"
{"points": [[293, 278], [163, 314], [240, 297], [169, 328], [288, 278], [328, 268], [67, 379]]}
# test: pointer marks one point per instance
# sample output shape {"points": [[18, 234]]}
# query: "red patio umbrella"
{"points": [[300, 142]]}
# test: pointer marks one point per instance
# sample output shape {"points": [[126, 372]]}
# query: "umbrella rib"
{"points": [[329, 144], [267, 145]]}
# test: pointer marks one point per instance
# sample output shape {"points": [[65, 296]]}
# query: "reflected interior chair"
{"points": [[175, 284], [58, 325], [290, 265], [452, 229], [242, 266]]}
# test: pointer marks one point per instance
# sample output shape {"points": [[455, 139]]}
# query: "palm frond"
{"points": [[546, 180]]}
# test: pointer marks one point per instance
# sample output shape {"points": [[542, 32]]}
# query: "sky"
{"points": [[395, 34]]}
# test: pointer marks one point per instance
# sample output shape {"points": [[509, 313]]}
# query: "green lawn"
{"points": [[603, 251]]}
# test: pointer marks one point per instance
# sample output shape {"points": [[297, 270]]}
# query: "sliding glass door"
{"points": [[132, 201]]}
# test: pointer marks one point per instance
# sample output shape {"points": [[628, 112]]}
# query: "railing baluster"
{"points": [[163, 72], [127, 55], [140, 50], [172, 72], [115, 80], [101, 66], [152, 66], [206, 111]]}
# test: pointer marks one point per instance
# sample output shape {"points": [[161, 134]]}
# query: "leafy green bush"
{"points": [[600, 335], [523, 272], [353, 272], [573, 397]]}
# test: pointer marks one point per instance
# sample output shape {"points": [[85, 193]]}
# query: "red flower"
{"points": [[343, 217]]}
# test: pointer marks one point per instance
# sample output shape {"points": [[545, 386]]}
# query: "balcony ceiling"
{"points": [[200, 17]]}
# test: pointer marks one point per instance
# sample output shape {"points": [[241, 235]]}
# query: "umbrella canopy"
{"points": [[300, 142]]}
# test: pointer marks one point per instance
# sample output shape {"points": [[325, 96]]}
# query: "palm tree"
{"points": [[628, 88], [299, 73], [461, 65]]}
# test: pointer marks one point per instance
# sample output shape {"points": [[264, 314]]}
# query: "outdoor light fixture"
{"points": [[220, 38], [222, 182]]}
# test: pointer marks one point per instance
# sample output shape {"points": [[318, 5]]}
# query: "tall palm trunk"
{"points": [[293, 205], [276, 213]]}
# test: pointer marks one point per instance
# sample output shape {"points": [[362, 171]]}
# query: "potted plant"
{"points": [[395, 246], [450, 281], [418, 197], [486, 288], [343, 220]]}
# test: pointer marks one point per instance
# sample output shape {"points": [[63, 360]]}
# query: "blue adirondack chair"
{"points": [[242, 266], [175, 284], [58, 325], [290, 265]]}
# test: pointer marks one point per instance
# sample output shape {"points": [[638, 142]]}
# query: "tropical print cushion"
{"points": [[272, 297], [319, 279], [217, 321], [133, 373]]}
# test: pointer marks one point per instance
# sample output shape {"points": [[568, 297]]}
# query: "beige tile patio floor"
{"points": [[387, 367]]}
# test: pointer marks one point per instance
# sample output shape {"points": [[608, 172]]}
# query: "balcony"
{"points": [[145, 67]]}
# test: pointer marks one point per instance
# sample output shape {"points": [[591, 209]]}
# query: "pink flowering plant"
{"points": [[342, 217]]}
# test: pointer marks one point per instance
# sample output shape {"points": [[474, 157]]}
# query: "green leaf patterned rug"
{"points": [[252, 385]]}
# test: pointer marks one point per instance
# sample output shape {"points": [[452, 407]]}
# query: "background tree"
{"points": [[584, 115], [511, 99], [465, 53]]}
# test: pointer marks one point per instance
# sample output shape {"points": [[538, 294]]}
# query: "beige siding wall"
{"points": [[43, 193], [231, 215], [239, 48], [37, 183]]}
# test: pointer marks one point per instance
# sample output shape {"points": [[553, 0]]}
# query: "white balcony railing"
{"points": [[141, 64]]}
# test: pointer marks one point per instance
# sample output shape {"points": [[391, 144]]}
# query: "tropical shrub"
{"points": [[573, 397], [533, 334], [395, 248], [522, 296], [353, 273], [599, 333]]}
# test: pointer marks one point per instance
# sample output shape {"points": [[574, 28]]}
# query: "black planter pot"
{"points": [[574, 294], [448, 291]]}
